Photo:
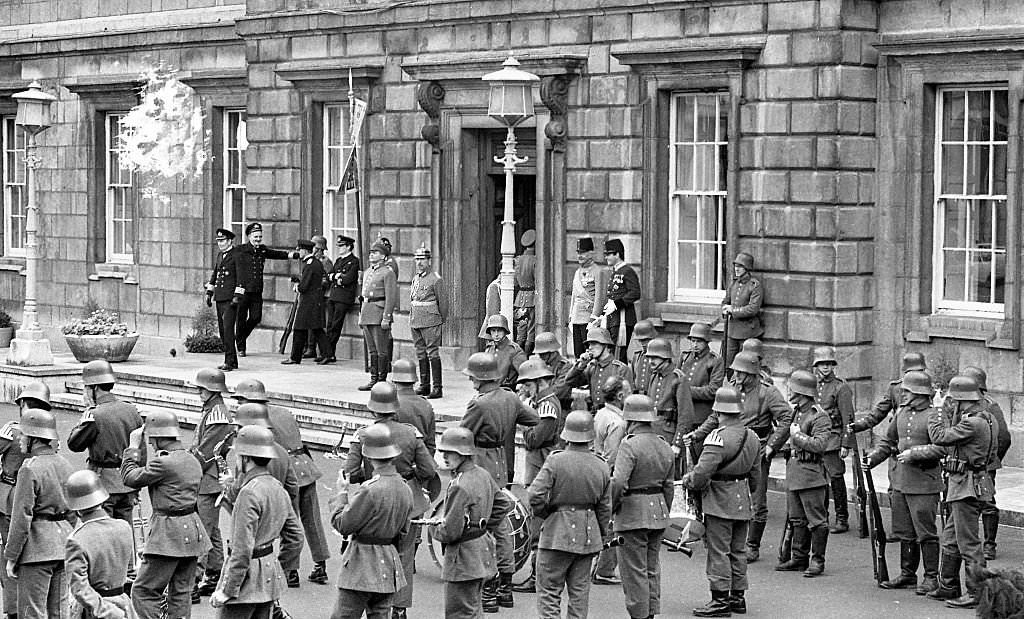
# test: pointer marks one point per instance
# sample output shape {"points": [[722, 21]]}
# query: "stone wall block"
{"points": [[814, 187], [259, 129], [813, 116], [695, 21], [817, 47], [610, 27], [736, 19], [776, 50], [825, 222], [401, 97], [792, 15], [857, 82], [276, 49], [529, 33], [752, 152], [569, 30], [826, 152], [309, 47], [598, 59], [440, 39], [781, 289], [364, 43], [812, 256], [624, 185], [775, 323], [765, 117], [471, 36], [809, 326], [414, 183], [788, 221], [857, 152], [587, 185], [274, 102], [769, 254], [764, 186], [797, 83], [609, 90], [657, 24], [614, 154], [795, 152]]}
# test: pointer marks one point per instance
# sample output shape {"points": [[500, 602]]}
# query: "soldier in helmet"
{"points": [[643, 333], [742, 305], [765, 412], [915, 480], [836, 398], [97, 553], [510, 356], [729, 456], [226, 289], [379, 299], [525, 290], [704, 374], [413, 463], [103, 430], [377, 515], [39, 520], [492, 416], [593, 367], [912, 362], [990, 513], [641, 487], [549, 349], [279, 467], [212, 439], [252, 580], [473, 506], [668, 390], [806, 477], [756, 346], [589, 294], [492, 306], [623, 293], [428, 311], [413, 408], [609, 430], [252, 257], [344, 279], [572, 495], [177, 537], [969, 436]]}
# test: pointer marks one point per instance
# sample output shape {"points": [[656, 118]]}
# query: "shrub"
{"points": [[99, 322], [205, 336], [5, 320]]}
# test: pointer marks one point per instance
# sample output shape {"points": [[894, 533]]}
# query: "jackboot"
{"points": [[291, 578], [801, 547], [374, 374], [737, 602], [424, 387], [754, 535], [949, 579], [435, 369], [718, 606], [990, 525], [530, 584], [930, 559], [819, 542], [505, 591], [319, 573], [970, 597], [910, 558], [490, 595]]}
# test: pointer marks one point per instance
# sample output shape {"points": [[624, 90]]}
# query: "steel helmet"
{"points": [[533, 369], [913, 361], [546, 342], [84, 491], [211, 379], [38, 423], [700, 331], [803, 382], [253, 414], [482, 366], [978, 374], [404, 372], [383, 398], [727, 400], [38, 391], [753, 345], [612, 385], [824, 354], [599, 335], [377, 443], [745, 362], [745, 260], [457, 440], [644, 330], [579, 427], [918, 383], [256, 442], [251, 389], [98, 372], [961, 389], [659, 348], [162, 424], [497, 321], [638, 408]]}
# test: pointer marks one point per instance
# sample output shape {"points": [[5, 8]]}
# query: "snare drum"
{"points": [[519, 524]]}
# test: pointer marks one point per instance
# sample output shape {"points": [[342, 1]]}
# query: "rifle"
{"points": [[786, 540], [858, 485], [877, 530], [282, 346]]}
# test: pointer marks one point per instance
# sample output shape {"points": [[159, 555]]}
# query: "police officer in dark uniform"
{"points": [[742, 305], [915, 481], [226, 290], [572, 494], [704, 373], [252, 257], [667, 389], [623, 293], [320, 253], [729, 456], [309, 315], [103, 429], [344, 280], [890, 402], [836, 398], [642, 492], [593, 367]]}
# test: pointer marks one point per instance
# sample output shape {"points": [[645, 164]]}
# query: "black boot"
{"points": [[505, 591], [819, 542], [754, 535], [319, 573], [838, 487], [530, 584], [374, 374], [196, 598], [910, 557], [435, 369], [424, 386], [970, 597], [930, 559], [490, 595], [801, 547], [718, 606], [949, 579], [737, 602], [990, 524], [291, 578]]}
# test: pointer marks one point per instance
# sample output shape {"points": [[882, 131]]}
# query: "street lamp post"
{"points": [[30, 346], [510, 102]]}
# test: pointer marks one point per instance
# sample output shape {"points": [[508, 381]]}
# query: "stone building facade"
{"points": [[864, 151]]}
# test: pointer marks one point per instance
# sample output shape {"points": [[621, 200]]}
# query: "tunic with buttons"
{"points": [[670, 394], [890, 402], [745, 295], [173, 479], [836, 398], [1003, 431], [974, 438], [286, 433], [624, 292], [593, 375], [589, 292], [97, 556], [213, 428], [225, 277], [11, 457], [735, 447], [763, 407], [344, 278], [909, 431], [563, 391], [414, 464], [525, 287], [428, 305], [572, 493], [492, 416], [510, 357], [279, 468], [379, 295], [251, 262], [641, 368], [645, 461], [38, 496], [416, 411], [609, 430], [704, 373], [379, 508], [104, 431], [542, 438], [812, 439]]}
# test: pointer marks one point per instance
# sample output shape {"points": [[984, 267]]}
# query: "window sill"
{"points": [[687, 312], [13, 263], [992, 331], [108, 270]]}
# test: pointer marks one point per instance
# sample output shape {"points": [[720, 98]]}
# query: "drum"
{"points": [[519, 524]]}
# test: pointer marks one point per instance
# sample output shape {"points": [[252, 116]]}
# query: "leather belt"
{"points": [[51, 517], [184, 511], [10, 480], [372, 299], [730, 477], [109, 593], [423, 303], [647, 490], [370, 540], [573, 507], [472, 534], [489, 444], [262, 551]]}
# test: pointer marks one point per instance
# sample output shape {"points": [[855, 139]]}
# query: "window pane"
{"points": [[978, 115], [1001, 115], [1000, 217], [953, 275], [977, 170], [979, 283], [999, 169], [956, 223], [723, 120], [953, 169], [705, 179], [708, 219], [18, 167], [334, 167], [953, 115], [684, 167], [981, 224], [687, 266], [684, 119], [707, 118], [687, 217], [334, 125], [707, 265], [235, 170], [723, 167]]}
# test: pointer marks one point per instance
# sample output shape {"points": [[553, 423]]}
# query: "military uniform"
{"points": [[593, 375], [524, 324], [890, 402], [542, 438], [344, 278], [211, 439], [624, 292], [227, 294], [469, 556], [563, 391], [177, 537], [641, 367], [572, 493], [280, 468], [492, 305], [745, 295], [96, 558], [510, 357], [309, 313], [251, 261], [376, 514], [428, 310], [380, 299], [836, 398], [671, 396], [704, 373], [609, 430], [39, 530], [11, 458], [990, 512], [416, 411], [589, 293], [642, 492], [807, 479], [104, 430]]}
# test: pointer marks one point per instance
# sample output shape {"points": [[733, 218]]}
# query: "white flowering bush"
{"points": [[99, 322]]}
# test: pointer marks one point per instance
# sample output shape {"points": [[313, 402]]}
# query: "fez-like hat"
{"points": [[585, 244], [615, 246]]}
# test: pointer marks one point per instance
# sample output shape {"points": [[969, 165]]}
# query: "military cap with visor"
{"points": [[223, 234]]}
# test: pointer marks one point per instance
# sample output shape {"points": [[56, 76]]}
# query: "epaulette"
{"points": [[548, 412], [218, 415], [372, 480], [713, 438], [7, 431], [87, 415]]}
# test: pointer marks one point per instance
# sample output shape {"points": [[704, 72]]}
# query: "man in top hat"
{"points": [[252, 257], [379, 298], [524, 316], [742, 305], [589, 293], [623, 293], [320, 253], [309, 316], [226, 289], [704, 372], [344, 285], [643, 333], [428, 311]]}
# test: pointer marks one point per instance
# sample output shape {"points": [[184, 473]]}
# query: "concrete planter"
{"points": [[113, 348]]}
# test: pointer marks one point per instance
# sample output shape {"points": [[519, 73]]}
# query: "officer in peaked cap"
{"points": [[252, 258], [428, 311], [523, 306], [344, 287], [309, 313], [623, 293], [741, 306], [379, 302], [593, 367], [589, 294], [226, 289], [703, 372]]}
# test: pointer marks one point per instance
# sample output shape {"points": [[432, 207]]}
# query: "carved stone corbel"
{"points": [[430, 95], [554, 92]]}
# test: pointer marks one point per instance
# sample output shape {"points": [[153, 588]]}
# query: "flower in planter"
{"points": [[5, 320], [99, 322]]}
